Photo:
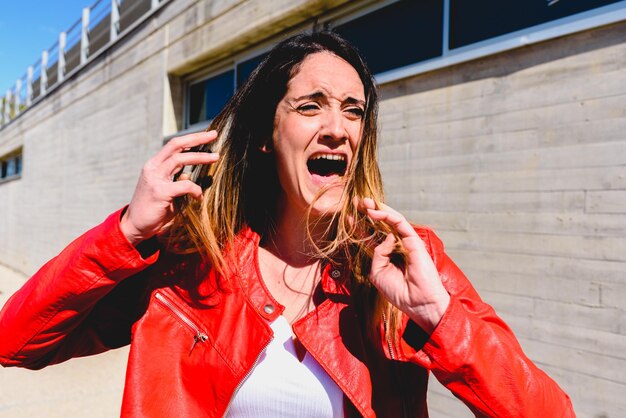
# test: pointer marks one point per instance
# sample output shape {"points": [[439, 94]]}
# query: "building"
{"points": [[502, 126]]}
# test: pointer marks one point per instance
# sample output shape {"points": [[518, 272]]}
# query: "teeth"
{"points": [[336, 157]]}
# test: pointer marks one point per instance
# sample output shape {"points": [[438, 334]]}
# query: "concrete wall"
{"points": [[518, 160], [83, 146]]}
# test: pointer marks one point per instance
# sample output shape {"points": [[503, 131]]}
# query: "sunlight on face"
{"points": [[317, 127]]}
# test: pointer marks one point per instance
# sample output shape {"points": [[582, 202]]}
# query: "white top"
{"points": [[281, 386]]}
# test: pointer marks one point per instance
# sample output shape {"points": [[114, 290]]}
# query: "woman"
{"points": [[283, 288]]}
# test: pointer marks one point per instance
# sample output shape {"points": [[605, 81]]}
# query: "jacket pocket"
{"points": [[199, 336]]}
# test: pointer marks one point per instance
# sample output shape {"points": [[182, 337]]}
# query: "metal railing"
{"points": [[100, 26]]}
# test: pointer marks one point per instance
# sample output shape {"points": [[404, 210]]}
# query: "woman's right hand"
{"points": [[151, 206]]}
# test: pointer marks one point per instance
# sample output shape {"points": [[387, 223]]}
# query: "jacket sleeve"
{"points": [[475, 355], [73, 305]]}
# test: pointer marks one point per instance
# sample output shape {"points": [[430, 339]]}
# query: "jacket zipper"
{"points": [[199, 336], [245, 377], [405, 413], [388, 337]]}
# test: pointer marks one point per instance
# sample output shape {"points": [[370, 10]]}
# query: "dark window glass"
{"points": [[473, 21], [245, 68], [18, 164], [196, 102], [11, 167], [206, 98], [400, 34]]}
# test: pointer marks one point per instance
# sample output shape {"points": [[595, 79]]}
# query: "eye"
{"points": [[356, 112], [308, 108]]}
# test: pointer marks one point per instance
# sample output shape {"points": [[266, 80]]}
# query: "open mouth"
{"points": [[327, 165]]}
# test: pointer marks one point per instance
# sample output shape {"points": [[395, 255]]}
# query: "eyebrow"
{"points": [[321, 95]]}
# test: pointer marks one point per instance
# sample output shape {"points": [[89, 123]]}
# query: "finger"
{"points": [[368, 236], [383, 207], [385, 248], [361, 229], [184, 187], [357, 229], [176, 162], [380, 258], [394, 220], [183, 143], [362, 204], [410, 239], [368, 203]]}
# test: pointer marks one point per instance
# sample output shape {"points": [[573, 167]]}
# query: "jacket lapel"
{"points": [[332, 335]]}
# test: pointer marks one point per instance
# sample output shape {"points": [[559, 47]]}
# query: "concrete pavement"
{"points": [[84, 387]]}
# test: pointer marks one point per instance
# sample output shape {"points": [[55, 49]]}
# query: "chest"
{"points": [[197, 347], [281, 385], [291, 286], [199, 356]]}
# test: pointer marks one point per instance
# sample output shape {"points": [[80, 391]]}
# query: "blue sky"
{"points": [[28, 27]]}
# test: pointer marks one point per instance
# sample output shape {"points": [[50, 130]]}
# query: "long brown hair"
{"points": [[245, 186]]}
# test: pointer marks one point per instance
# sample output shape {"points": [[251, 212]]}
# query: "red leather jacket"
{"points": [[192, 346]]}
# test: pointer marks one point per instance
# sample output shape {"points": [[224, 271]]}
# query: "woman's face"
{"points": [[317, 127]]}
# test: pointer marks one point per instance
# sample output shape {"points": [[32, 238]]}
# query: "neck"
{"points": [[290, 239]]}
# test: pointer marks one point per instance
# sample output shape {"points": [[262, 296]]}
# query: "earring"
{"points": [[266, 147]]}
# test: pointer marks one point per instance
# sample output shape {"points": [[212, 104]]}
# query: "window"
{"points": [[11, 165], [206, 97], [406, 37], [400, 34], [474, 21], [245, 68]]}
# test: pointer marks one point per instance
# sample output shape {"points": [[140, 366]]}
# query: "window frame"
{"points": [[213, 71], [205, 74], [6, 159], [578, 22], [590, 19], [598, 17]]}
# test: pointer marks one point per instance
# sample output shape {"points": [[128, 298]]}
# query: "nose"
{"points": [[334, 126]]}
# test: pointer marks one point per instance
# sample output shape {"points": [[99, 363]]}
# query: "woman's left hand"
{"points": [[417, 291]]}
